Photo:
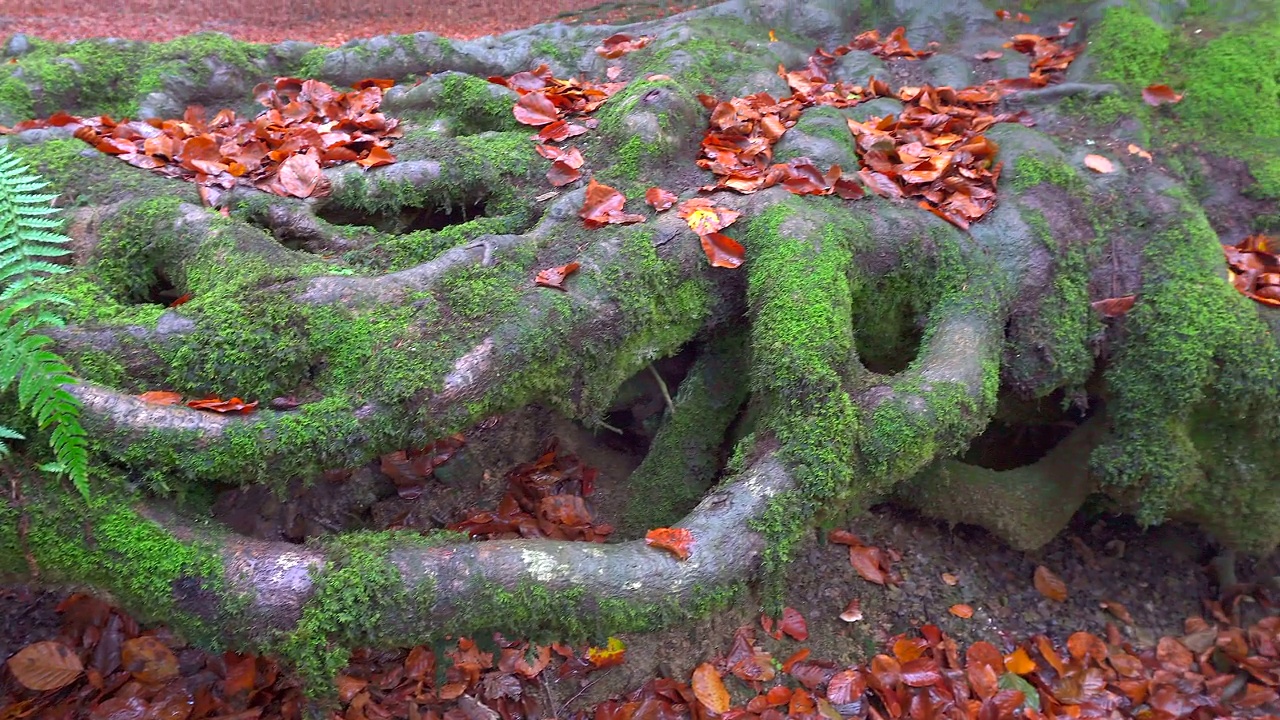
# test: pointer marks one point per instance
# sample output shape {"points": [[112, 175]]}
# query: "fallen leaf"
{"points": [[47, 665], [709, 688], [613, 653], [705, 217], [1099, 164], [613, 72], [215, 404], [1050, 585], [149, 659], [535, 109], [1120, 612], [794, 625], [961, 611], [1135, 150], [1019, 662], [1114, 307], [616, 46], [989, 55], [722, 250], [555, 277], [160, 397], [950, 579], [677, 541], [603, 205], [659, 199], [1157, 95]]}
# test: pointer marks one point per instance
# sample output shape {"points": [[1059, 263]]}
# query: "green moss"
{"points": [[1267, 173], [1129, 46], [1232, 85], [1192, 339], [477, 105], [1031, 170]]}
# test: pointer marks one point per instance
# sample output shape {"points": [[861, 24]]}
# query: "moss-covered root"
{"points": [[388, 589], [848, 433], [1025, 507], [684, 457]]}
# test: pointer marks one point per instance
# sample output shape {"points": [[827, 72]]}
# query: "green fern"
{"points": [[27, 240]]}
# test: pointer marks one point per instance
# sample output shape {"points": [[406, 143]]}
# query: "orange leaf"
{"points": [[1136, 150], [562, 173], [950, 579], [1099, 164], [45, 666], [555, 277], [1157, 95], [300, 176], [704, 217], [149, 659], [659, 199], [616, 46], [235, 404], [1119, 611], [604, 205], [183, 299], [677, 541], [1050, 585], [1020, 663], [376, 157], [722, 250], [709, 688], [960, 610], [535, 108], [1114, 307], [160, 397], [868, 562]]}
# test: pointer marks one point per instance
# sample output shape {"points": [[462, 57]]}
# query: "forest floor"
{"points": [[1121, 582]]}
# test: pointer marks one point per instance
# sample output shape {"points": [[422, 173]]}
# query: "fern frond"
{"points": [[28, 239]]}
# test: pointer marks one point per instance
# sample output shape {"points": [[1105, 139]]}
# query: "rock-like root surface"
{"points": [[860, 343]]}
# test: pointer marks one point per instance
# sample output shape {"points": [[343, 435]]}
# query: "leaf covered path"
{"points": [[326, 22]]}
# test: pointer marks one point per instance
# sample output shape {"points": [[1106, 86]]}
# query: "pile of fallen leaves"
{"points": [[102, 666], [545, 499], [1253, 267], [307, 125]]}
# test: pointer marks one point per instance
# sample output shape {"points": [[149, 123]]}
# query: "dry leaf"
{"points": [[1099, 164], [961, 611], [1050, 585], [709, 688], [45, 666]]}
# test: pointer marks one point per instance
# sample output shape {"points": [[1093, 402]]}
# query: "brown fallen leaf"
{"points": [[149, 659], [709, 688], [1050, 585], [216, 404], [722, 251], [1120, 612], [950, 579], [1114, 307], [555, 277], [1099, 164], [47, 665], [960, 610], [1136, 150], [677, 541], [659, 199], [160, 397]]}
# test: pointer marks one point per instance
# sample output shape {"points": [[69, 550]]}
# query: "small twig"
{"points": [[608, 427], [585, 688], [552, 705], [662, 385]]}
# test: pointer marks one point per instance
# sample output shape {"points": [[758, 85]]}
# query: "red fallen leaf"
{"points": [[843, 537], [709, 688], [613, 653], [377, 156], [181, 300], [614, 72], [149, 659], [798, 656], [570, 156], [1174, 655], [1157, 95], [1099, 164], [989, 55], [960, 610], [722, 250], [1050, 585], [604, 205], [801, 704], [794, 625], [558, 131], [535, 108], [380, 83], [45, 666], [869, 562], [659, 199], [300, 176], [562, 173], [215, 404], [677, 541], [160, 397], [1114, 307], [846, 686], [615, 46]]}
